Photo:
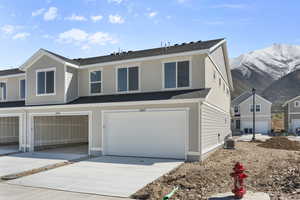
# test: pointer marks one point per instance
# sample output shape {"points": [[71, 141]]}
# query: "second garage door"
{"points": [[260, 126], [150, 133]]}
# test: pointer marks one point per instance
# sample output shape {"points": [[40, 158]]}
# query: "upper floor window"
{"points": [[236, 109], [177, 74], [3, 91], [214, 75], [95, 82], [22, 89], [128, 79], [220, 81], [257, 108], [45, 82], [297, 104]]}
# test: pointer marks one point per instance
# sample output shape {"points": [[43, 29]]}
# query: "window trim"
{"points": [[4, 81], [101, 77], [238, 109], [21, 79], [117, 78], [297, 106], [176, 75], [255, 108], [36, 81]]}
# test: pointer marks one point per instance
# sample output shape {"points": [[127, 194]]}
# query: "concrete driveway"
{"points": [[7, 149], [106, 175], [21, 162]]}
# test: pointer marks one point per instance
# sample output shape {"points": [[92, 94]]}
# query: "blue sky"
{"points": [[84, 28]]}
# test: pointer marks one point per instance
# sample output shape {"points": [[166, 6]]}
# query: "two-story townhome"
{"points": [[242, 114], [292, 114], [169, 102]]}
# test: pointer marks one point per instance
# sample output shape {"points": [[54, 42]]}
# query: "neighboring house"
{"points": [[170, 102], [242, 114], [292, 114]]}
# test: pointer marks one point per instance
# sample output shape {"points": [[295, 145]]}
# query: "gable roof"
{"points": [[288, 101], [244, 96], [184, 47], [8, 72]]}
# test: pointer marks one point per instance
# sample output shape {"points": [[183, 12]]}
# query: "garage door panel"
{"points": [[56, 130], [149, 134], [9, 130], [260, 126]]}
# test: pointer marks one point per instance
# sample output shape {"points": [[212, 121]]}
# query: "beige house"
{"points": [[292, 114], [171, 102], [242, 109]]}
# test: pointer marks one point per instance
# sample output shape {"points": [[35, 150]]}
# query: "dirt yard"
{"points": [[274, 171]]}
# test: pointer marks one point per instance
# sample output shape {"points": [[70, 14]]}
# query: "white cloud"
{"points": [[82, 38], [51, 14], [115, 1], [38, 12], [236, 6], [96, 18], [8, 29], [74, 17], [116, 19], [152, 14], [21, 36]]}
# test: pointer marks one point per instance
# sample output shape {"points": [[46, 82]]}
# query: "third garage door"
{"points": [[150, 133]]}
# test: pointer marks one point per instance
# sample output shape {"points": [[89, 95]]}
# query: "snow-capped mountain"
{"points": [[276, 60]]}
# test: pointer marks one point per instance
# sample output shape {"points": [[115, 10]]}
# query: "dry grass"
{"points": [[269, 170]]}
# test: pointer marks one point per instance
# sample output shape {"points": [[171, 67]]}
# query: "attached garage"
{"points": [[59, 132], [260, 126], [295, 124], [161, 133], [9, 130]]}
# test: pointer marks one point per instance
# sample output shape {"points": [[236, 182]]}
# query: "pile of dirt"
{"points": [[273, 171], [281, 143]]}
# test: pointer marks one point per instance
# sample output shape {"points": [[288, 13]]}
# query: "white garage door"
{"points": [[295, 124], [260, 126], [150, 133]]}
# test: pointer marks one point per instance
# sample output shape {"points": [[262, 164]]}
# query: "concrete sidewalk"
{"points": [[15, 192]]}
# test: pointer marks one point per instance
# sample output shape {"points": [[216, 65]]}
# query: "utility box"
{"points": [[229, 143]]}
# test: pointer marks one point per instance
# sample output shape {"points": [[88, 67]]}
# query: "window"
{"points": [[128, 79], [45, 82], [3, 91], [236, 109], [22, 89], [95, 82], [257, 108], [297, 104], [237, 124], [177, 74], [220, 82], [214, 75]]}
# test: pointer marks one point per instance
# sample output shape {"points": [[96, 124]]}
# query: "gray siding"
{"points": [[151, 75], [215, 126], [71, 83], [13, 87], [43, 63], [218, 58]]}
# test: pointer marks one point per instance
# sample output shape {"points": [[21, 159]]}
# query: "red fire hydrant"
{"points": [[239, 176]]}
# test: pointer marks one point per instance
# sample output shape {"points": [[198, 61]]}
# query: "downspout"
{"points": [[200, 128]]}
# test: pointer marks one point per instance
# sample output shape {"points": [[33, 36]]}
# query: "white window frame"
{"points": [[3, 81], [255, 108], [101, 77], [295, 104], [36, 81], [117, 78], [21, 79], [176, 71]]}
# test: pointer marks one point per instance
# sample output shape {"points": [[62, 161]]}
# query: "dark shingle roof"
{"points": [[241, 98], [200, 45], [145, 96], [12, 104], [10, 72], [73, 61]]}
